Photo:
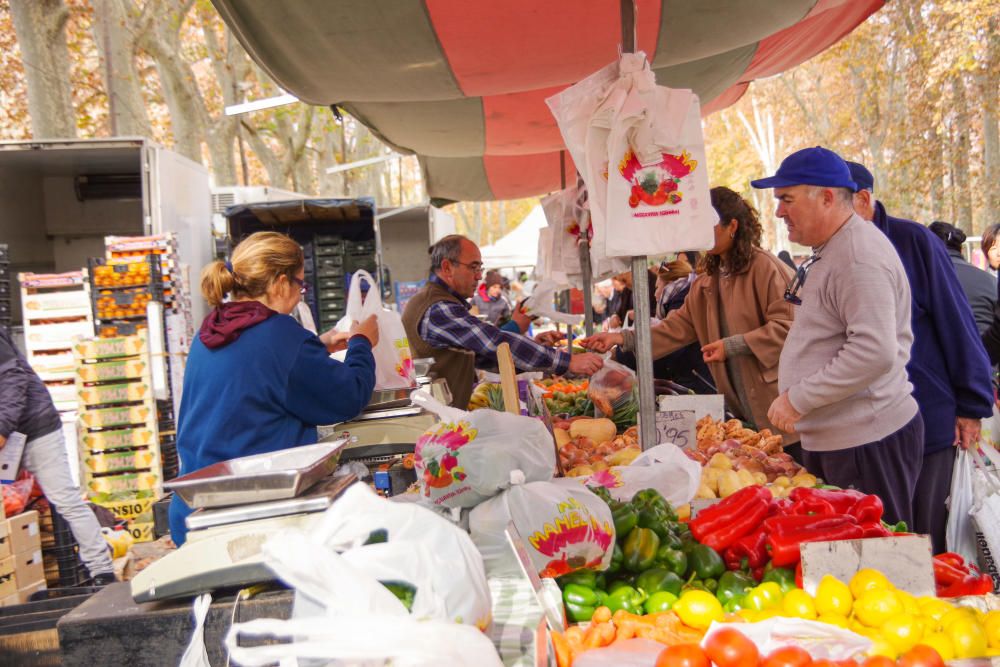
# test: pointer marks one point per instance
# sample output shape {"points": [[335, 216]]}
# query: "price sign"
{"points": [[676, 426]]}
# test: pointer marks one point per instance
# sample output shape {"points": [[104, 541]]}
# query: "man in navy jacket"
{"points": [[948, 365]]}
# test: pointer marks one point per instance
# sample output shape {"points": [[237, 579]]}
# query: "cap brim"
{"points": [[772, 182]]}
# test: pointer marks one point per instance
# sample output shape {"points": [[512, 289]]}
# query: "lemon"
{"points": [[991, 624], [910, 604], [881, 646], [968, 637], [833, 619], [941, 643], [799, 604], [868, 579], [902, 631], [933, 607], [876, 606], [833, 597], [698, 609], [959, 614]]}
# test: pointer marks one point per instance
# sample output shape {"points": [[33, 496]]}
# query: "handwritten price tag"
{"points": [[676, 426]]}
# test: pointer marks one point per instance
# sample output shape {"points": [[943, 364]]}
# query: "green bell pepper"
{"points": [[657, 602], [627, 598], [764, 596], [674, 560], [733, 605], [581, 602], [704, 562], [617, 556], [711, 585], [658, 579], [652, 498], [618, 583], [640, 549], [655, 519], [625, 518], [782, 576], [733, 586]]}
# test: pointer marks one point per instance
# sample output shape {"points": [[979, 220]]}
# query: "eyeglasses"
{"points": [[477, 267], [303, 285], [792, 292]]}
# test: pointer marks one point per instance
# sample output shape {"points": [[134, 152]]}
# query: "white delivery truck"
{"points": [[60, 198]]}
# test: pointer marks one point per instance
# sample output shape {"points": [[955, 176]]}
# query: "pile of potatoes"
{"points": [[588, 445], [721, 478]]}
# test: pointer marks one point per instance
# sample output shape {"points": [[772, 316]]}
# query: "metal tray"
{"points": [[258, 478]]}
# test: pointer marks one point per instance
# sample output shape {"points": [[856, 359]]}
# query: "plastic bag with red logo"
{"points": [[469, 457], [16, 495], [564, 525]]}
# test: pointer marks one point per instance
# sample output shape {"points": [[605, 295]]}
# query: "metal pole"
{"points": [[640, 292], [588, 275]]}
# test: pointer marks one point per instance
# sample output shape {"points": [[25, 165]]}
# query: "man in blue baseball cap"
{"points": [[842, 372], [948, 366]]}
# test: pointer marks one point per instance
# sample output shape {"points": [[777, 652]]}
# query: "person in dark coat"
{"points": [[948, 365], [979, 286]]}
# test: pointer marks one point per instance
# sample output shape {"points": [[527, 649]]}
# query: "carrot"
{"points": [[561, 647], [601, 615]]}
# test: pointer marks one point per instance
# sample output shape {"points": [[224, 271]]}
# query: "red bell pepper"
{"points": [[867, 510], [750, 551], [749, 518], [797, 522], [822, 501], [720, 515], [953, 558], [970, 584], [798, 574], [876, 529], [953, 577], [784, 546]]}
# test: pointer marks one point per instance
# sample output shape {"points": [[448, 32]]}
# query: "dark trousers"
{"points": [[889, 468], [930, 511]]}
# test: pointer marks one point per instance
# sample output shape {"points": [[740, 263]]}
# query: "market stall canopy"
{"points": [[519, 247], [462, 84]]}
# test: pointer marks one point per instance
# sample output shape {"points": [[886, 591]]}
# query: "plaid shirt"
{"points": [[449, 324]]}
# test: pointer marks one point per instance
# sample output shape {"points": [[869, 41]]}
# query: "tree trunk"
{"points": [[962, 148], [116, 46], [41, 33], [989, 84]]}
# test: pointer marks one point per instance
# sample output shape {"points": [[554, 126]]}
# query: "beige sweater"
{"points": [[844, 361]]}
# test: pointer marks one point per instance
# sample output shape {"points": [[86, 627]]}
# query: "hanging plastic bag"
{"points": [[985, 512], [960, 534], [331, 566], [664, 468], [195, 654], [468, 457], [611, 388], [393, 359], [564, 525]]}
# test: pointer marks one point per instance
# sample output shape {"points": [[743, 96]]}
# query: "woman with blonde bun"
{"points": [[256, 381]]}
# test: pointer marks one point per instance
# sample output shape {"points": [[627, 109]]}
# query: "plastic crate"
{"points": [[327, 261], [66, 554], [336, 282]]}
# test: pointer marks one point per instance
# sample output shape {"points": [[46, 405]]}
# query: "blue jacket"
{"points": [[264, 392], [948, 365]]}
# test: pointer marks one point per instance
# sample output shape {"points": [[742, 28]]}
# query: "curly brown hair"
{"points": [[731, 206]]}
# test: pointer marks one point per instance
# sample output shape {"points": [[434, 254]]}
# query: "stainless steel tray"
{"points": [[258, 478]]}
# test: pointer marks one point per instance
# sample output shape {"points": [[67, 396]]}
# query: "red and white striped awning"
{"points": [[462, 83]]}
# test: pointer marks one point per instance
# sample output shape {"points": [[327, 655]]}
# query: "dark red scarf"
{"points": [[226, 322]]}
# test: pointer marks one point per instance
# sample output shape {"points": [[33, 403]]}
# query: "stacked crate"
{"points": [[120, 455], [56, 310], [331, 295], [21, 569], [5, 293]]}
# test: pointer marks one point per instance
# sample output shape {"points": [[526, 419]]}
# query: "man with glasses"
{"points": [[948, 365], [438, 324], [842, 371]]}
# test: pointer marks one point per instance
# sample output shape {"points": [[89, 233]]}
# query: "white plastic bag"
{"points": [[960, 534], [565, 528], [985, 512], [664, 468], [338, 574], [468, 457], [610, 388], [363, 640], [195, 654], [821, 640], [393, 360]]}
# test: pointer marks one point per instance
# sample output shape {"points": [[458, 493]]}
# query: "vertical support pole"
{"points": [[640, 292], [588, 275]]}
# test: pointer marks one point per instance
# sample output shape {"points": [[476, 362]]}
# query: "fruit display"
{"points": [[566, 397], [588, 445], [747, 449], [119, 304], [487, 395], [723, 476], [108, 275]]}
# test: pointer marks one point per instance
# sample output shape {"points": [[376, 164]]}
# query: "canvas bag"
{"points": [[657, 175], [393, 359]]}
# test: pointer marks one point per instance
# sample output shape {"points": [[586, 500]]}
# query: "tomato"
{"points": [[788, 656], [921, 656], [682, 655], [731, 648], [879, 661]]}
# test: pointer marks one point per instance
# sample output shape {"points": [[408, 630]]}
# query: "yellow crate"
{"points": [[125, 392], [125, 369], [141, 531], [105, 348], [116, 487], [145, 458], [136, 509], [128, 415], [99, 441]]}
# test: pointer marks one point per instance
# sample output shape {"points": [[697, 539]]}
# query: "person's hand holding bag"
{"points": [[368, 328]]}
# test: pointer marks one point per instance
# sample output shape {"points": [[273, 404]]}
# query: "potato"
{"points": [[780, 491], [599, 466], [599, 430], [729, 483], [562, 436], [759, 478], [720, 461], [705, 492], [624, 457], [782, 481], [710, 477], [580, 471], [804, 479], [745, 477]]}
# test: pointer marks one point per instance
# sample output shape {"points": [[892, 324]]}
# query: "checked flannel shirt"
{"points": [[449, 324]]}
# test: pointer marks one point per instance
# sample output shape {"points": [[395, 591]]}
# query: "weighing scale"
{"points": [[240, 504]]}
